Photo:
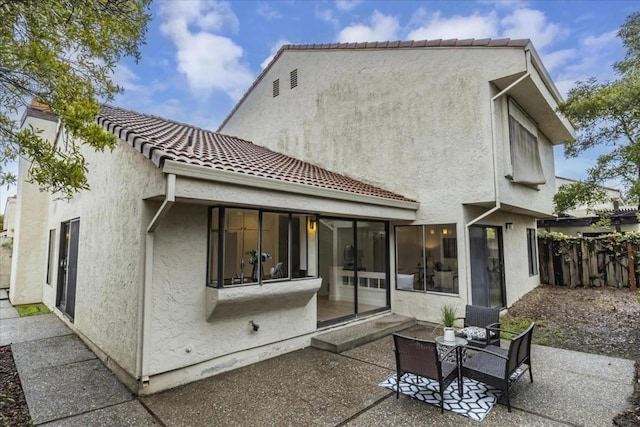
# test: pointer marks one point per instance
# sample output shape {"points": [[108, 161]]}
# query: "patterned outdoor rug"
{"points": [[476, 403]]}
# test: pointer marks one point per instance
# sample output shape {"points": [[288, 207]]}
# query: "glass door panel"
{"points": [[487, 277], [371, 264], [337, 260]]}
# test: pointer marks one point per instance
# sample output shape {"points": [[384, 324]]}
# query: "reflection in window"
{"points": [[427, 258], [252, 246], [532, 251]]}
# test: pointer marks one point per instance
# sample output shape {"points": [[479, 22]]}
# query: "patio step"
{"points": [[360, 333]]}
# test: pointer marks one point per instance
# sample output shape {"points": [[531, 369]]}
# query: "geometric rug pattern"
{"points": [[476, 403]]}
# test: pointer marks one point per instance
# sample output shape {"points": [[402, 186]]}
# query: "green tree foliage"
{"points": [[62, 53], [607, 114]]}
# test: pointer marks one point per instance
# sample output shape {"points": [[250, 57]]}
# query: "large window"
{"points": [[248, 246], [532, 251], [525, 155], [427, 258]]}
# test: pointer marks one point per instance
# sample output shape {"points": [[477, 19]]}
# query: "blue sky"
{"points": [[201, 56]]}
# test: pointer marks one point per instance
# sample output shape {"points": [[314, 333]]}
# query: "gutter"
{"points": [[496, 186], [145, 327]]}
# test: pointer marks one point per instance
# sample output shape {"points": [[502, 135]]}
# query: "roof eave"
{"points": [[228, 177]]}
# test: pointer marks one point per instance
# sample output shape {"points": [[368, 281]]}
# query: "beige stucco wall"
{"points": [[417, 122], [414, 121], [9, 223], [181, 333], [6, 242], [29, 262], [113, 219]]}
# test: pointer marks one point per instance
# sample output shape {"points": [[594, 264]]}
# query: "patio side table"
{"points": [[444, 346]]}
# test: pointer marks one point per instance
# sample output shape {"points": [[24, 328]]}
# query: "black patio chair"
{"points": [[498, 367], [420, 357], [485, 318]]}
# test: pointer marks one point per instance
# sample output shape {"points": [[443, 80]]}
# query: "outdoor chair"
{"points": [[498, 367], [420, 357], [480, 322]]}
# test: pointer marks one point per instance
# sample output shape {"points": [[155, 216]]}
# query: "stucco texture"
{"points": [[113, 220], [28, 262], [180, 333]]}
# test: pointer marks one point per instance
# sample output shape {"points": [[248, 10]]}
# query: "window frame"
{"points": [[218, 282], [423, 281]]}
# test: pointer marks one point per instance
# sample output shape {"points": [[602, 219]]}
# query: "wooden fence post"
{"points": [[632, 267]]}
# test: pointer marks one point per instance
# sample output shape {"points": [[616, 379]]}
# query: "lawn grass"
{"points": [[543, 334], [32, 309]]}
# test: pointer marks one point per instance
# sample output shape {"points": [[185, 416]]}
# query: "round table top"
{"points": [[458, 341]]}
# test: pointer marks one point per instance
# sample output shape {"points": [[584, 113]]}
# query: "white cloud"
{"points": [[326, 15], [602, 41], [456, 27], [531, 24], [209, 61], [380, 28], [274, 49], [555, 59], [125, 78], [267, 12], [347, 5]]}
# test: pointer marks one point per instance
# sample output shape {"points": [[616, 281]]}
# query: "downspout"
{"points": [[170, 198], [496, 187]]}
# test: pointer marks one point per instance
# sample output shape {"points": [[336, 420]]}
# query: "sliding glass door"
{"points": [[353, 259]]}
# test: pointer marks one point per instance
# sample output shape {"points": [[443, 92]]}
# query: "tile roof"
{"points": [[409, 44], [161, 139]]}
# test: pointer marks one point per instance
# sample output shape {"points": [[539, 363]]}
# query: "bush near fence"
{"points": [[610, 260]]}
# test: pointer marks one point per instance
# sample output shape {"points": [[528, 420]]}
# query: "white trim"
{"points": [[210, 174]]}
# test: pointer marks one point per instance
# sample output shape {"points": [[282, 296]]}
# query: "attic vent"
{"points": [[276, 87], [293, 75]]}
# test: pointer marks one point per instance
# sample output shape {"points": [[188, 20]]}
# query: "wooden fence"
{"points": [[605, 261]]}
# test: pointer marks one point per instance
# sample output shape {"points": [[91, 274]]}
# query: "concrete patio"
{"points": [[66, 385]]}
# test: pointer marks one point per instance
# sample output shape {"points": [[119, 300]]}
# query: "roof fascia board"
{"points": [[210, 174], [536, 62]]}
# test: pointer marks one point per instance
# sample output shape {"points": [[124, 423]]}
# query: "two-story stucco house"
{"points": [[350, 180]]}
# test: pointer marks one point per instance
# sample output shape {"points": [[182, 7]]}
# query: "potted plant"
{"points": [[448, 318]]}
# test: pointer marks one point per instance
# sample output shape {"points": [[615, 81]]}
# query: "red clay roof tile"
{"points": [[160, 139]]}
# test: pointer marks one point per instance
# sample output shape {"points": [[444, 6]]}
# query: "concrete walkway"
{"points": [[65, 385]]}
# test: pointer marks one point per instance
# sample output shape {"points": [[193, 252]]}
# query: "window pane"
{"points": [[50, 261], [410, 258], [427, 258], [240, 246], [303, 246], [532, 251], [442, 258], [275, 246]]}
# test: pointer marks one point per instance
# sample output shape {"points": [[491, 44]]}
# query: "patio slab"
{"points": [[124, 414], [3, 294], [8, 313], [306, 387], [57, 392], [411, 412], [5, 303], [48, 352], [602, 383], [31, 328]]}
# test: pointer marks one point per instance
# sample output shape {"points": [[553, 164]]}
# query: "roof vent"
{"points": [[293, 76], [276, 87]]}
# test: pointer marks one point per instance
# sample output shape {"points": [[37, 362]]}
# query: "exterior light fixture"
{"points": [[509, 226], [312, 223]]}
